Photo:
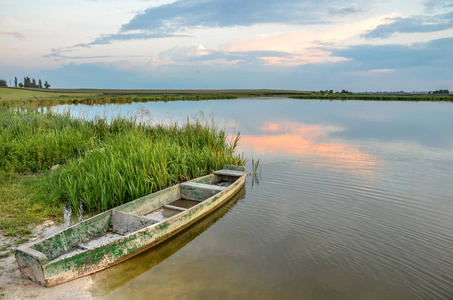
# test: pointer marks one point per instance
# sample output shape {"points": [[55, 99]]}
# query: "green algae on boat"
{"points": [[120, 233]]}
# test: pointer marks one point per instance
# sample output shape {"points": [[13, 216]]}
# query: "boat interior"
{"points": [[135, 215]]}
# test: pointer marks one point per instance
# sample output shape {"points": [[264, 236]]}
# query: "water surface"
{"points": [[354, 202]]}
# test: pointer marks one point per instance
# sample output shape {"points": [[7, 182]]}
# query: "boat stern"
{"points": [[31, 264]]}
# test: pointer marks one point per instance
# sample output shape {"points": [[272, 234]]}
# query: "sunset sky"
{"points": [[208, 44]]}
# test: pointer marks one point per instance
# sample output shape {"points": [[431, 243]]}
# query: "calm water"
{"points": [[354, 202]]}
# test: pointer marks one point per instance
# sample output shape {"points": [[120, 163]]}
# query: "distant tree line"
{"points": [[331, 92], [30, 83], [440, 92], [444, 92]]}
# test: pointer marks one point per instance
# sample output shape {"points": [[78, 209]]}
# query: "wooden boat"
{"points": [[122, 232], [112, 278]]}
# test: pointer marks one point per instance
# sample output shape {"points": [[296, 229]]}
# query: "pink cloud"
{"points": [[272, 127], [307, 46], [17, 35]]}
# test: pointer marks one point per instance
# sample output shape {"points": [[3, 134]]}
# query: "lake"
{"points": [[353, 201]]}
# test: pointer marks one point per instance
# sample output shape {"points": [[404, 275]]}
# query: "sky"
{"points": [[357, 45]]}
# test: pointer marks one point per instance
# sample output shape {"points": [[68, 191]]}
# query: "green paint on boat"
{"points": [[93, 245]]}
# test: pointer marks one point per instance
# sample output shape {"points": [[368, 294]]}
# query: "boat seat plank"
{"points": [[203, 186], [235, 168], [199, 191], [99, 240], [229, 173], [175, 207], [124, 223]]}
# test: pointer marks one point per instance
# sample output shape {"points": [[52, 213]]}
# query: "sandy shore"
{"points": [[13, 286]]}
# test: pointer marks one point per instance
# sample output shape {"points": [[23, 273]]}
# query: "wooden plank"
{"points": [[30, 264], [146, 204], [69, 238], [235, 168], [229, 173], [199, 191], [124, 223], [175, 207], [203, 186]]}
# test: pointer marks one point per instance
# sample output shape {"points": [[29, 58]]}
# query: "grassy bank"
{"points": [[30, 98], [433, 98], [37, 102], [19, 208], [33, 98], [101, 164]]}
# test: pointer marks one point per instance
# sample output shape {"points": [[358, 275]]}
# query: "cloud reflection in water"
{"points": [[312, 141]]}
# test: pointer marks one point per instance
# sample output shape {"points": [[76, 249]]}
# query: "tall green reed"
{"points": [[107, 163]]}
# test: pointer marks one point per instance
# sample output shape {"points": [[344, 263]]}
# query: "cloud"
{"points": [[197, 55], [435, 53], [178, 18], [109, 38], [175, 19], [17, 35], [412, 25], [436, 4], [194, 55], [58, 54], [346, 11], [371, 72]]}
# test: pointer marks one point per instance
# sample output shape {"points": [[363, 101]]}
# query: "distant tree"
{"points": [[27, 82], [15, 81], [3, 82], [331, 92], [441, 92], [345, 92], [21, 84], [31, 83]]}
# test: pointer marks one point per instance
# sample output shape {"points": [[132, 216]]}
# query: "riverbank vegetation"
{"points": [[32, 98], [49, 160], [377, 97]]}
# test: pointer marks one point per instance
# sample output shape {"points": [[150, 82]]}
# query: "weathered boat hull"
{"points": [[118, 234]]}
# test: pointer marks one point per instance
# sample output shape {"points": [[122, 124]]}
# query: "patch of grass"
{"points": [[34, 98], [103, 163], [5, 247], [34, 103], [31, 141], [7, 94], [256, 166], [18, 211], [133, 164], [338, 96], [22, 240]]}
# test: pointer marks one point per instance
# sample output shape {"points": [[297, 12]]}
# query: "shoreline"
{"points": [[13, 286]]}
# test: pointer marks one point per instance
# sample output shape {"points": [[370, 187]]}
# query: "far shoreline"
{"points": [[36, 97]]}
